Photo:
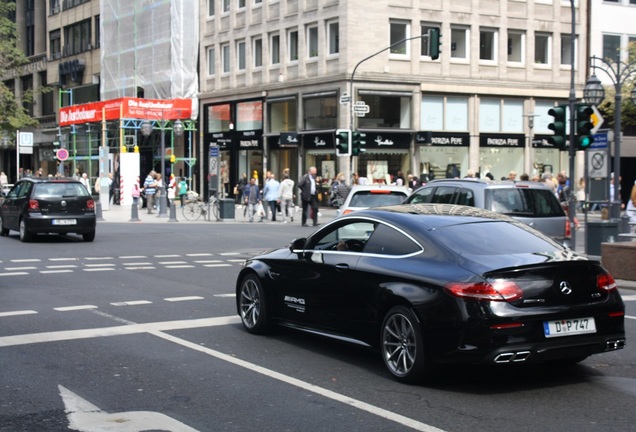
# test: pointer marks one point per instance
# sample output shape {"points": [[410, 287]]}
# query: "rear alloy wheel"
{"points": [[25, 235], [402, 345], [89, 236], [252, 305]]}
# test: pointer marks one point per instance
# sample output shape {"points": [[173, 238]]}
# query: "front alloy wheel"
{"points": [[252, 306], [402, 345]]}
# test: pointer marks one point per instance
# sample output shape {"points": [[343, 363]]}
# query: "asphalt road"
{"points": [[138, 331]]}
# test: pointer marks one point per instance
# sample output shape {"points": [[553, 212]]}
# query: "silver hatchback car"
{"points": [[529, 202]]}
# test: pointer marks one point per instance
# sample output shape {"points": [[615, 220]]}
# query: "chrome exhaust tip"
{"points": [[512, 357], [614, 345]]}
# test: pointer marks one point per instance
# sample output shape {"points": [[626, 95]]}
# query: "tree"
{"points": [[13, 115]]}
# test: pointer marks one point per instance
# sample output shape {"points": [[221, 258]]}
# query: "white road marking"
{"points": [[25, 260], [229, 253], [217, 265], [199, 254], [178, 299], [100, 265], [63, 259], [98, 269], [62, 266], [132, 303], [179, 266], [168, 256], [141, 268], [16, 313], [133, 257], [19, 268], [236, 260], [630, 317], [136, 264], [207, 261], [172, 262], [629, 297], [98, 258], [55, 271], [84, 416], [14, 274], [74, 308], [224, 295]]}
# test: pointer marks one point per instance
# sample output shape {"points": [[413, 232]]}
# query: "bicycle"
{"points": [[195, 207]]}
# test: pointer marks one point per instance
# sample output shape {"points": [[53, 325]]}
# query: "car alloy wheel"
{"points": [[402, 346], [25, 235], [252, 307]]}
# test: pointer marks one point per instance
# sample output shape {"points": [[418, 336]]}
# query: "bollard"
{"points": [[98, 211], [134, 213], [173, 212]]}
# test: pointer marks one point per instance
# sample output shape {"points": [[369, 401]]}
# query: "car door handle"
{"points": [[342, 267]]}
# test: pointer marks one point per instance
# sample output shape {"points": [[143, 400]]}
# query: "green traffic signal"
{"points": [[584, 126], [358, 141], [343, 141], [434, 43], [558, 126]]}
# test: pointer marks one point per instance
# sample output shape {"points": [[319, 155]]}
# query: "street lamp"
{"points": [[618, 72]]}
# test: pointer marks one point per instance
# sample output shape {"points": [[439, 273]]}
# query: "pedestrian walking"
{"points": [[150, 189], [183, 191], [252, 198], [286, 197], [238, 189], [270, 194], [86, 182], [308, 195]]}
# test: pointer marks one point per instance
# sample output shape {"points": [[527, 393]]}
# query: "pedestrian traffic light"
{"points": [[434, 43], [558, 126], [584, 126], [359, 142], [343, 142]]}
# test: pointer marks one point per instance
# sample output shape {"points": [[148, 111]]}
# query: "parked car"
{"points": [[427, 284], [532, 203], [376, 195], [43, 205]]}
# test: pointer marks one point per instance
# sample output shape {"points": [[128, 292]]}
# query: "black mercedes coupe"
{"points": [[429, 284]]}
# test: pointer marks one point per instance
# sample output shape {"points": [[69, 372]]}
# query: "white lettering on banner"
{"points": [[503, 141], [386, 142], [319, 142], [66, 116], [291, 139], [149, 104], [248, 143]]}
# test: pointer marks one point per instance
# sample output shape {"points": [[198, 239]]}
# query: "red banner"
{"points": [[135, 108]]}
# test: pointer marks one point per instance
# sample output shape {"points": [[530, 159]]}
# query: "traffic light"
{"points": [[558, 126], [584, 126], [434, 43], [359, 142], [343, 142]]}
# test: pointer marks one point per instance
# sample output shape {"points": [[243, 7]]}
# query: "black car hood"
{"points": [[481, 264]]}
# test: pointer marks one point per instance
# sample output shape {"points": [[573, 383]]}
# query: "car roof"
{"points": [[50, 180], [376, 186], [488, 184]]}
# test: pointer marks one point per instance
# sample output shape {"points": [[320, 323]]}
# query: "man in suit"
{"points": [[308, 195]]}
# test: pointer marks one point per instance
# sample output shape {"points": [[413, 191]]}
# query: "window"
{"points": [[424, 30], [98, 35], [358, 231], [211, 61], [611, 46], [292, 39], [275, 49], [542, 49], [516, 46], [249, 115], [219, 118], [225, 58], [389, 241], [282, 115], [257, 52], [321, 112], [312, 41], [566, 51], [399, 30], [226, 5], [386, 111], [487, 44], [333, 35], [240, 55], [459, 43], [241, 4], [211, 7], [496, 115], [54, 7], [77, 38], [55, 44], [631, 48]]}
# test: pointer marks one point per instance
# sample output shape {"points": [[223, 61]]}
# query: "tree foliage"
{"points": [[13, 115]]}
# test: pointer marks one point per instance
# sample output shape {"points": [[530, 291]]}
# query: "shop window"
{"points": [[497, 115], [459, 43], [516, 46], [219, 118], [542, 49], [211, 61], [282, 115], [312, 41], [249, 115], [611, 46], [320, 112], [489, 115], [439, 113], [275, 49], [424, 43], [487, 44], [399, 31], [333, 35], [292, 44], [386, 111], [257, 52], [566, 50]]}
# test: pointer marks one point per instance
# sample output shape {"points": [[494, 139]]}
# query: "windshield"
{"points": [[371, 199], [58, 190]]}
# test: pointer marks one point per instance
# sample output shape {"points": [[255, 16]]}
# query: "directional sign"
{"points": [[597, 120], [345, 99], [62, 154], [361, 107]]}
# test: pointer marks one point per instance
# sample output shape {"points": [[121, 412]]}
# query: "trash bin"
{"points": [[226, 208], [598, 232]]}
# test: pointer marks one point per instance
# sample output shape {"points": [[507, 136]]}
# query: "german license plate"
{"points": [[568, 327], [64, 221]]}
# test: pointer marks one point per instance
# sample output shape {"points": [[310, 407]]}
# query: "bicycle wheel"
{"points": [[215, 209], [192, 211]]}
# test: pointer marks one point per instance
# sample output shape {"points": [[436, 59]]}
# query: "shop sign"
{"points": [[221, 139], [250, 139], [321, 141], [502, 140], [288, 139], [384, 140], [541, 141], [451, 139]]}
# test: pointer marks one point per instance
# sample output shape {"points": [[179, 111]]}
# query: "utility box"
{"points": [[600, 232], [226, 208]]}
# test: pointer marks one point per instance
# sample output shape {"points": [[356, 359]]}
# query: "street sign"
{"points": [[361, 108], [62, 154], [597, 120], [345, 99], [26, 139]]}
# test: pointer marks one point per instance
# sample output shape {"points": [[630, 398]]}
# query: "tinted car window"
{"points": [[388, 241], [493, 238], [370, 199], [422, 196], [351, 231], [443, 195], [543, 203], [523, 202], [465, 197]]}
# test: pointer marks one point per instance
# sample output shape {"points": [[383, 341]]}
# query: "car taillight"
{"points": [[34, 205], [380, 191], [495, 291], [90, 204], [568, 228], [605, 282]]}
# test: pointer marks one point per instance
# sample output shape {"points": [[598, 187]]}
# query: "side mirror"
{"points": [[297, 245]]}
